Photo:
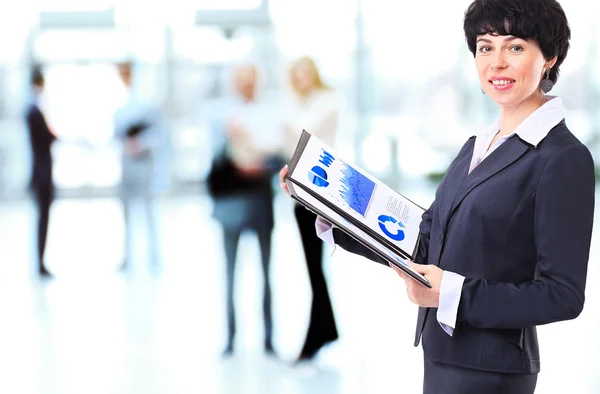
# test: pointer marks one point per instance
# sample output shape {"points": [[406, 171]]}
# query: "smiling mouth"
{"points": [[502, 82]]}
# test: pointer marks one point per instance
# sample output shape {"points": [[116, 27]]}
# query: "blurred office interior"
{"points": [[409, 96]]}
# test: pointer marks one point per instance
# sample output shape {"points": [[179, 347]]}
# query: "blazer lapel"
{"points": [[452, 185], [506, 154]]}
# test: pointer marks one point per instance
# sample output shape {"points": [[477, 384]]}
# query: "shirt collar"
{"points": [[537, 125]]}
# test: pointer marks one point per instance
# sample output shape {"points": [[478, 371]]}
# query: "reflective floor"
{"points": [[95, 330]]}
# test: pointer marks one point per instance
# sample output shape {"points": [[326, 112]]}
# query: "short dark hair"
{"points": [[37, 76], [541, 20]]}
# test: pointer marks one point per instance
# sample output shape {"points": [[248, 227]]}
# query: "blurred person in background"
{"points": [[142, 130], [314, 108], [506, 242], [41, 138], [240, 182]]}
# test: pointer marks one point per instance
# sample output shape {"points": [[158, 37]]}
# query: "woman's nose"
{"points": [[498, 62]]}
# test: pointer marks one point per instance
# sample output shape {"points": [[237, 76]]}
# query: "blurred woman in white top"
{"points": [[314, 106], [315, 109]]}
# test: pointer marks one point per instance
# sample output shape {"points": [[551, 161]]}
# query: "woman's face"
{"points": [[303, 79], [509, 68]]}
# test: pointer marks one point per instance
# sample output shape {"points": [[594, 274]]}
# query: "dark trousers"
{"points": [[322, 328], [232, 237], [43, 200], [447, 379]]}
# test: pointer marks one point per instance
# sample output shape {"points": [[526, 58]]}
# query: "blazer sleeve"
{"points": [[563, 217], [422, 254], [353, 246]]}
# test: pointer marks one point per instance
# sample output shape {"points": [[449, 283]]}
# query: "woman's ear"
{"points": [[550, 63]]}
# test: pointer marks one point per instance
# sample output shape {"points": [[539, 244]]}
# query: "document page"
{"points": [[360, 195]]}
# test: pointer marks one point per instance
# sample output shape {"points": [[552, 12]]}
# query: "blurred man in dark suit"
{"points": [[41, 138]]}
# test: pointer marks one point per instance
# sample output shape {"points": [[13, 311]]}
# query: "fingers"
{"points": [[411, 290], [399, 272], [416, 292], [420, 268], [282, 174]]}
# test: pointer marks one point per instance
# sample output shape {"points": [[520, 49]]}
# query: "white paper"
{"points": [[359, 194]]}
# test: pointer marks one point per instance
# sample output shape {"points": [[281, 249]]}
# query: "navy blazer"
{"points": [[41, 139], [518, 228]]}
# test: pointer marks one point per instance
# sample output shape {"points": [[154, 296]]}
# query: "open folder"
{"points": [[359, 204]]}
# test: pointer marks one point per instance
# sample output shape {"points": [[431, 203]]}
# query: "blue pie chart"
{"points": [[398, 235], [318, 176]]}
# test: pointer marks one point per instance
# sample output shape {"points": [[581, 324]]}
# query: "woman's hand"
{"points": [[418, 293], [282, 174], [252, 171]]}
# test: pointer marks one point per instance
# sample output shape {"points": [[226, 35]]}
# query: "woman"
{"points": [[315, 110], [142, 130], [506, 242]]}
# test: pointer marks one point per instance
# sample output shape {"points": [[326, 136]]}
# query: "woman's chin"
{"points": [[503, 99]]}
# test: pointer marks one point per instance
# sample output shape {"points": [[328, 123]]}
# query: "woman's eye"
{"points": [[484, 49], [516, 48]]}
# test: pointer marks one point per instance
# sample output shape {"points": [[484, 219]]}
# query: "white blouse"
{"points": [[317, 114]]}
